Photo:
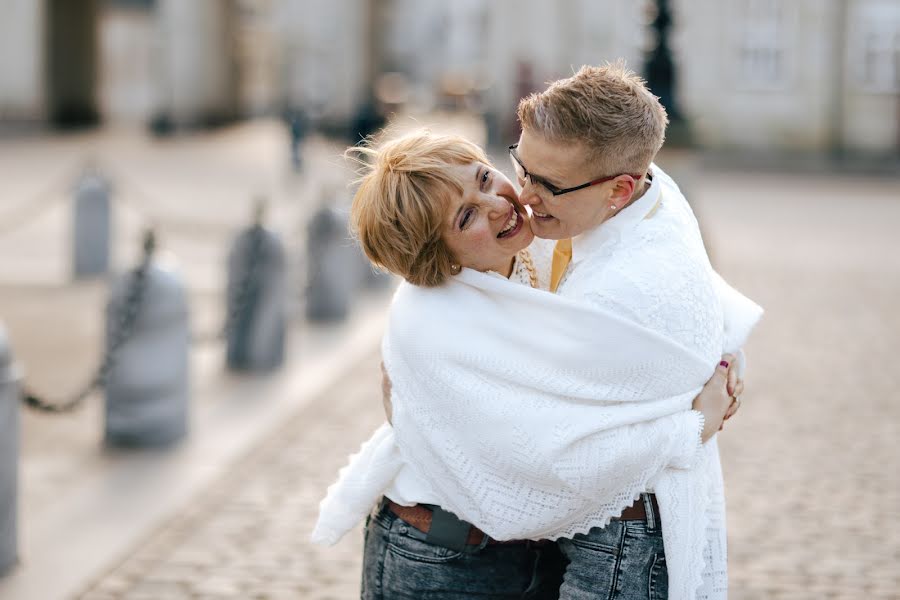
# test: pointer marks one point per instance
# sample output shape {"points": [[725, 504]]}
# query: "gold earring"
{"points": [[455, 268]]}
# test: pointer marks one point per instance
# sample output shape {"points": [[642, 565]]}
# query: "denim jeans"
{"points": [[623, 561], [399, 565]]}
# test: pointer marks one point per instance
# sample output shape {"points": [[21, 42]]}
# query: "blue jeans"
{"points": [[399, 565], [623, 561]]}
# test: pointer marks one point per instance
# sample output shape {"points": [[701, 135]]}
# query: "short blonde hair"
{"points": [[607, 109], [398, 212]]}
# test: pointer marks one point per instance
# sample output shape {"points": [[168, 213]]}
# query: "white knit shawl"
{"points": [[502, 394], [529, 414]]}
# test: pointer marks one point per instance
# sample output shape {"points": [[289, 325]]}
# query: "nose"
{"points": [[529, 195], [497, 206]]}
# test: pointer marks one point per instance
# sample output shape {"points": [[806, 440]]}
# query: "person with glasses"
{"points": [[584, 161], [521, 416]]}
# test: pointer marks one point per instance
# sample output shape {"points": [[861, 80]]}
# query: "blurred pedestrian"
{"points": [[298, 125]]}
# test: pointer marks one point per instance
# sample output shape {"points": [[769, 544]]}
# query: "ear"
{"points": [[623, 189]]}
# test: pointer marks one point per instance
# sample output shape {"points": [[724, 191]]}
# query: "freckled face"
{"points": [[485, 226]]}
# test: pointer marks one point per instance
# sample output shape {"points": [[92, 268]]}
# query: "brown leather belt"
{"points": [[419, 516]]}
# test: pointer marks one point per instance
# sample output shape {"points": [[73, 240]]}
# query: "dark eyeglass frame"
{"points": [[517, 163]]}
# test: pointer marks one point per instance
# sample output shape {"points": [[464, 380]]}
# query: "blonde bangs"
{"points": [[399, 209]]}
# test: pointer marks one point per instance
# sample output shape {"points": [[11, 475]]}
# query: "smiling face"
{"points": [[565, 165], [485, 226]]}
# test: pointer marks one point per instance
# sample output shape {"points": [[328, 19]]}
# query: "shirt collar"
{"points": [[612, 229]]}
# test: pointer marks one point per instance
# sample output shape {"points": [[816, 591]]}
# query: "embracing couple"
{"points": [[555, 374]]}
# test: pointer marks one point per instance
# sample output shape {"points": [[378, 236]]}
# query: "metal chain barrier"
{"points": [[123, 326], [243, 294], [123, 323]]}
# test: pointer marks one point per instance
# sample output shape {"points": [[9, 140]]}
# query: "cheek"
{"points": [[480, 239], [470, 245]]}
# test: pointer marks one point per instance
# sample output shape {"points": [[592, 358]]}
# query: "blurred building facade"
{"points": [[796, 75], [791, 74]]}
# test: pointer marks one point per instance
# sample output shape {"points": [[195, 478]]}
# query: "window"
{"points": [[874, 47], [762, 44]]}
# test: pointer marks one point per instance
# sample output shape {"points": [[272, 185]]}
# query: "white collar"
{"points": [[593, 239]]}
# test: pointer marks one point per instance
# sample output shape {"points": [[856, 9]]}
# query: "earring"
{"points": [[455, 269], [613, 207]]}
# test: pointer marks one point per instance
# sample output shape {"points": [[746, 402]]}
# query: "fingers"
{"points": [[724, 365], [738, 388], [735, 406], [731, 410], [732, 379]]}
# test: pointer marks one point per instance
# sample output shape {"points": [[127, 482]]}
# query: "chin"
{"points": [[548, 231], [525, 241]]}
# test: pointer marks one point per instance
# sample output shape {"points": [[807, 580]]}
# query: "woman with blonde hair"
{"points": [[518, 416]]}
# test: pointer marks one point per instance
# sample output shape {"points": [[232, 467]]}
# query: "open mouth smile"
{"points": [[513, 224]]}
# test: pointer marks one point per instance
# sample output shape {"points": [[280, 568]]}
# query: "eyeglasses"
{"points": [[522, 173]]}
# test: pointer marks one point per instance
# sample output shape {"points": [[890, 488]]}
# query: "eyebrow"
{"points": [[538, 177], [543, 179]]}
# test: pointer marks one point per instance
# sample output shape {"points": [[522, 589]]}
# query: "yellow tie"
{"points": [[562, 254]]}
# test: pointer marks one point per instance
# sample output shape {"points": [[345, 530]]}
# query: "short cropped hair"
{"points": [[607, 109], [399, 210]]}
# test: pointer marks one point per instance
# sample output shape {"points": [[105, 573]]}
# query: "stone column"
{"points": [[21, 61], [72, 62], [197, 72]]}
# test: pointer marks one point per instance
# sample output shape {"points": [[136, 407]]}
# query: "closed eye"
{"points": [[543, 182], [466, 218]]}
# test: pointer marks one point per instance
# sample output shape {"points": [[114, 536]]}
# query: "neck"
{"points": [[506, 268]]}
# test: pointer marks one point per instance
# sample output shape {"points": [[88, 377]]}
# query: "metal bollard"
{"points": [[332, 274], [9, 455], [147, 386], [91, 232], [257, 301]]}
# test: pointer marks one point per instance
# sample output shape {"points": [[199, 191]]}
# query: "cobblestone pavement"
{"points": [[810, 462], [247, 536]]}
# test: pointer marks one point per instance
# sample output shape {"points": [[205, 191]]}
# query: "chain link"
{"points": [[122, 327]]}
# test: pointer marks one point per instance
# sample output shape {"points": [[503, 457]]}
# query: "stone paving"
{"points": [[246, 537], [811, 473]]}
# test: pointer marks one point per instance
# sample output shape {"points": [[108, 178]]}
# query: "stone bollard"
{"points": [[333, 266], [91, 231], [9, 455], [257, 301], [372, 277], [147, 384]]}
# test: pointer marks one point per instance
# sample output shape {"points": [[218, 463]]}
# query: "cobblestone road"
{"points": [[247, 536], [810, 462], [811, 473]]}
